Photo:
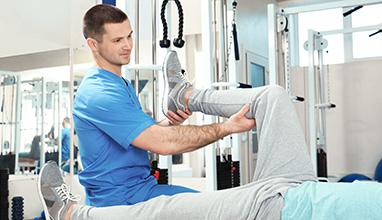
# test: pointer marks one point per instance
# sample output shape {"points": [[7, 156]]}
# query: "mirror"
{"points": [[34, 103]]}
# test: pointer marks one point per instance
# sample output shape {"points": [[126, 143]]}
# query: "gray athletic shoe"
{"points": [[54, 194], [176, 84]]}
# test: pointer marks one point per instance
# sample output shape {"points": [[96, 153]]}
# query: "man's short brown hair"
{"points": [[99, 15]]}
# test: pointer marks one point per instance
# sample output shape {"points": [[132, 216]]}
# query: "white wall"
{"points": [[38, 33], [354, 126], [33, 26], [252, 31]]}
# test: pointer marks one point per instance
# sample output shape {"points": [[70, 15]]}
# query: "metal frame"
{"points": [[313, 36], [328, 5], [18, 123]]}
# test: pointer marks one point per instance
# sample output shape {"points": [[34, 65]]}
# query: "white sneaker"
{"points": [[176, 84], [54, 194]]}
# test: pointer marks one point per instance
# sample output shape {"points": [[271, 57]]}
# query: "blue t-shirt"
{"points": [[107, 118], [65, 144], [326, 201]]}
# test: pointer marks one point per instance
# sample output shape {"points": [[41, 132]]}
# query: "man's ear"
{"points": [[92, 43]]}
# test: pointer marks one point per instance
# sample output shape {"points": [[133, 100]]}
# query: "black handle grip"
{"points": [[352, 10], [244, 86], [235, 42], [379, 31], [300, 99]]}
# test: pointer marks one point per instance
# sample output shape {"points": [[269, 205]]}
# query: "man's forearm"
{"points": [[191, 137]]}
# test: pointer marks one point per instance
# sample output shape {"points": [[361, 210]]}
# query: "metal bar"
{"points": [[18, 123], [352, 30], [71, 89], [42, 138], [59, 104], [136, 82], [222, 40], [322, 111], [154, 58], [272, 45], [328, 5], [2, 116], [312, 101], [208, 47]]}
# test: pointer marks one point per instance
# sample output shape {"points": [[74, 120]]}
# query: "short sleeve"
{"points": [[119, 116]]}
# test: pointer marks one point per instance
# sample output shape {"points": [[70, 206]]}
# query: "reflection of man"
{"points": [[34, 153], [65, 139]]}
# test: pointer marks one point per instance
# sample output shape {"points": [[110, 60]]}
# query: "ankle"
{"points": [[187, 95], [69, 211]]}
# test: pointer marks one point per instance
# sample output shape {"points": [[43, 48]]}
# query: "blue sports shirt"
{"points": [[65, 144], [107, 118]]}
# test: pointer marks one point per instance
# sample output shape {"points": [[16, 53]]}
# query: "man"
{"points": [[65, 139], [114, 134], [283, 178]]}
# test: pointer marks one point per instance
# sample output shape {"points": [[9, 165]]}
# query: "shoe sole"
{"points": [[46, 210], [166, 87]]}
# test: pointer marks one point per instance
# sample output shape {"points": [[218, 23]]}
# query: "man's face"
{"points": [[117, 43]]}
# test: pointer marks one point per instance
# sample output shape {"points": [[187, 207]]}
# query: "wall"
{"points": [[252, 30], [354, 126], [40, 32]]}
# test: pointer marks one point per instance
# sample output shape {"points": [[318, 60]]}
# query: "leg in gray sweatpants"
{"points": [[283, 162]]}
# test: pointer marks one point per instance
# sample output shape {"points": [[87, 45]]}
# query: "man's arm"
{"points": [[180, 139]]}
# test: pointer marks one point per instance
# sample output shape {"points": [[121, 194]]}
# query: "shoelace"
{"points": [[64, 193], [182, 76]]}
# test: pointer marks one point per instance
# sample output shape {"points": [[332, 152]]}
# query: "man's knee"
{"points": [[276, 92]]}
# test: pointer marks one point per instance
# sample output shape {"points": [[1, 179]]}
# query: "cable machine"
{"points": [[318, 99]]}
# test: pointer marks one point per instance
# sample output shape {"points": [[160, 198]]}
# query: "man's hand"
{"points": [[179, 117], [239, 122]]}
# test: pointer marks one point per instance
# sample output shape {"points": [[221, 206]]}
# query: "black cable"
{"points": [[178, 42], [234, 34], [165, 43]]}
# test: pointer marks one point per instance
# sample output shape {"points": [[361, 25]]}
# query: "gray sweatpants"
{"points": [[283, 162]]}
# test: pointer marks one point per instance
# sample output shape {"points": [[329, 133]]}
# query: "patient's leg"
{"points": [[282, 147]]}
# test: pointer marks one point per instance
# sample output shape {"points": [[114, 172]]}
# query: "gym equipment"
{"points": [[234, 31], [317, 79], [378, 172], [353, 177], [17, 208], [352, 10], [4, 193], [228, 172], [178, 42], [377, 32], [161, 175]]}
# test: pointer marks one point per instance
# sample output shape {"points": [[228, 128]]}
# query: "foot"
{"points": [[176, 84], [54, 194]]}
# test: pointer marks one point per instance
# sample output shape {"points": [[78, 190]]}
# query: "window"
{"points": [[367, 16], [324, 20], [363, 45]]}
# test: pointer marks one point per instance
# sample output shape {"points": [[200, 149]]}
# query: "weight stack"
{"points": [[228, 174], [17, 208], [4, 193], [322, 168]]}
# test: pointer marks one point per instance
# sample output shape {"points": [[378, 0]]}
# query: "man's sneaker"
{"points": [[54, 193], [176, 84]]}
